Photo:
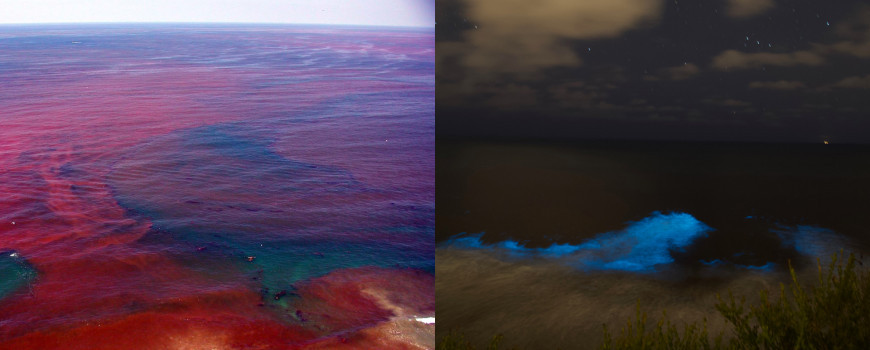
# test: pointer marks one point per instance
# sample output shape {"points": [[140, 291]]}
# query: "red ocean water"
{"points": [[216, 187]]}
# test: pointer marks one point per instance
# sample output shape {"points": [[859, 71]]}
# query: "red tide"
{"points": [[97, 286], [90, 288], [369, 308], [363, 297], [190, 329]]}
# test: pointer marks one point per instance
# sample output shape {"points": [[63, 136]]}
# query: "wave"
{"points": [[647, 245]]}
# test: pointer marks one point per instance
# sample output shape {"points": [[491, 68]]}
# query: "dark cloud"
{"points": [[685, 71], [580, 96], [748, 8], [733, 59], [512, 96], [523, 37], [777, 85], [855, 34], [854, 83], [728, 102], [558, 65]]}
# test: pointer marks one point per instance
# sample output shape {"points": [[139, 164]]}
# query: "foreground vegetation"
{"points": [[832, 314], [457, 341]]}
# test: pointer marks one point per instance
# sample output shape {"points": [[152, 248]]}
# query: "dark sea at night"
{"points": [[216, 187], [544, 242]]}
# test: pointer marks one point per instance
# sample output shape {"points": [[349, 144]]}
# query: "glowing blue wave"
{"points": [[640, 247], [716, 262], [647, 244]]}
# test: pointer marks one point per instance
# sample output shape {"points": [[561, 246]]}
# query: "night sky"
{"points": [[731, 70]]}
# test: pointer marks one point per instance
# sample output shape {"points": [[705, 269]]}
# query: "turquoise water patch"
{"points": [[279, 263], [221, 199], [15, 273]]}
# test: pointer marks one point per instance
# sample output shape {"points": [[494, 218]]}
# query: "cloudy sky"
{"points": [[416, 13], [745, 70]]}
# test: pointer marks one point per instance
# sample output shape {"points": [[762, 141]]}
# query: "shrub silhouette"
{"points": [[834, 314], [456, 341]]}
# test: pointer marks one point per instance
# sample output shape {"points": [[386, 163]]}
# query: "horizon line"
{"points": [[221, 23]]}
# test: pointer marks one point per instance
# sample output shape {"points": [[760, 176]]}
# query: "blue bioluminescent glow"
{"points": [[640, 247], [646, 244], [812, 241], [472, 241], [643, 244], [716, 262]]}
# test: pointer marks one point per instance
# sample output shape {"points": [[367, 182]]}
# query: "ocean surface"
{"points": [[544, 242], [216, 186]]}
